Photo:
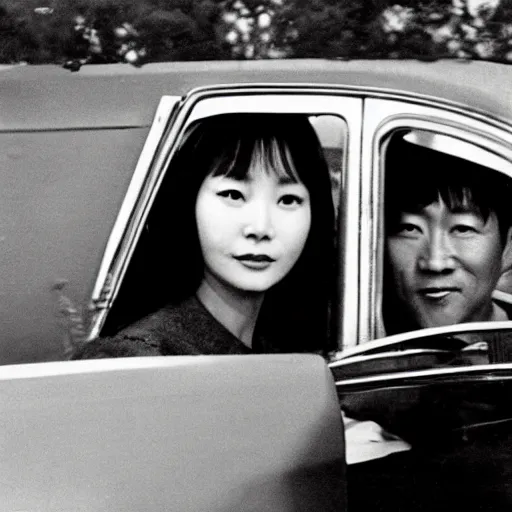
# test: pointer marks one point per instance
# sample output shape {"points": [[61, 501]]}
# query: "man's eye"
{"points": [[231, 194], [464, 229], [291, 200]]}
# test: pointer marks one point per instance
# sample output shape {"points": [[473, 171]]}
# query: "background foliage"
{"points": [[77, 32]]}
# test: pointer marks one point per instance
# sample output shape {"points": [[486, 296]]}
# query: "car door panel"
{"points": [[456, 418]]}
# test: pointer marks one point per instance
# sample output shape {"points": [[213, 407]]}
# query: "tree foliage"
{"points": [[77, 32]]}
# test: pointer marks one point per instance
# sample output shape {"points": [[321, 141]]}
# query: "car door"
{"points": [[428, 421], [335, 114], [431, 411]]}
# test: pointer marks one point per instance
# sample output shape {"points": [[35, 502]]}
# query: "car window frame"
{"points": [[381, 118], [169, 124], [357, 354]]}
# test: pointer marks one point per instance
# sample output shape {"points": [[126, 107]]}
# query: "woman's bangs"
{"points": [[271, 155], [233, 161], [278, 158]]}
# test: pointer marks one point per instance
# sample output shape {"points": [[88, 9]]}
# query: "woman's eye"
{"points": [[291, 200], [407, 229], [231, 194]]}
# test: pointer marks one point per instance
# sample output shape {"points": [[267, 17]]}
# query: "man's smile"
{"points": [[437, 293]]}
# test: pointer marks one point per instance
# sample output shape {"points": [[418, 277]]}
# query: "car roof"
{"points": [[51, 97]]}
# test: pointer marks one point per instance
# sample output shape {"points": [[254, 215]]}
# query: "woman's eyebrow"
{"points": [[471, 209], [235, 178], [283, 180], [287, 180]]}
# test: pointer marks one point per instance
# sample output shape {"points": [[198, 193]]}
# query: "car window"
{"points": [[332, 132], [445, 232], [143, 291]]}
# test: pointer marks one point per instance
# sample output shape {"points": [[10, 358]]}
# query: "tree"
{"points": [[18, 42]]}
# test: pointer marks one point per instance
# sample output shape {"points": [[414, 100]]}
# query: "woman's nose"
{"points": [[437, 254], [259, 223]]}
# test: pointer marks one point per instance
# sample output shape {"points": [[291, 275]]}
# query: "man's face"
{"points": [[445, 264]]}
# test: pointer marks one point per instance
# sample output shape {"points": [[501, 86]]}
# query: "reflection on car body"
{"points": [[92, 170]]}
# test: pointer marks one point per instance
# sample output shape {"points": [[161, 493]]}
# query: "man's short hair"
{"points": [[417, 177]]}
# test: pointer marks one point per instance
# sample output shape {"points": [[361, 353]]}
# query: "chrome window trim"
{"points": [[99, 300], [487, 372], [161, 146], [398, 339], [395, 354], [380, 119], [404, 97]]}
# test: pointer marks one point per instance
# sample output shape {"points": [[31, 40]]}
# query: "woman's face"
{"points": [[251, 231]]}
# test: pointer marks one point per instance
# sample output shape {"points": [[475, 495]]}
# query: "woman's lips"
{"points": [[255, 257], [255, 261]]}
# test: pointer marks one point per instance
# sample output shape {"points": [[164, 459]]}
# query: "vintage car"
{"points": [[84, 155]]}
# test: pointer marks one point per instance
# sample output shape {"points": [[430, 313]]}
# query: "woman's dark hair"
{"points": [[416, 177], [294, 315]]}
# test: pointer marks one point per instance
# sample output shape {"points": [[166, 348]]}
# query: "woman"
{"points": [[241, 244]]}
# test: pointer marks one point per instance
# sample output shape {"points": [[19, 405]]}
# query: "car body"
{"points": [[84, 155], [161, 433], [79, 167]]}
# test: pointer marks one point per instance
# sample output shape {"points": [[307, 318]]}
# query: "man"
{"points": [[448, 234], [447, 245]]}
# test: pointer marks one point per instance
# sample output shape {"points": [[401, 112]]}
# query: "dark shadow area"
{"points": [[461, 457]]}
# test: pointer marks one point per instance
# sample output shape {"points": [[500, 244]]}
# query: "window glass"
{"points": [[331, 131]]}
